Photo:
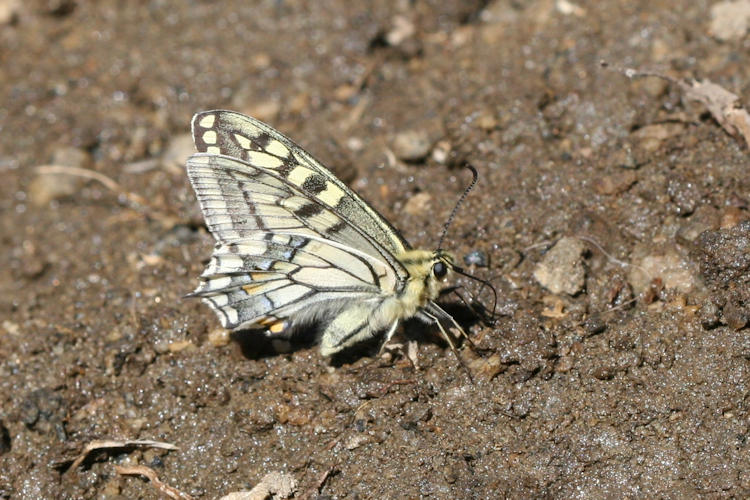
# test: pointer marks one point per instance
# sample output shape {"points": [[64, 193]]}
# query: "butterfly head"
{"points": [[442, 265], [428, 270]]}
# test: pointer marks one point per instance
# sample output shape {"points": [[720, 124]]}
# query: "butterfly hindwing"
{"points": [[274, 255], [233, 134]]}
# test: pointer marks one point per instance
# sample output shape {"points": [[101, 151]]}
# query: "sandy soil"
{"points": [[626, 375]]}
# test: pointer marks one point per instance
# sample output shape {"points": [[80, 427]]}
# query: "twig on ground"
{"points": [[107, 182], [150, 474], [110, 444], [140, 203]]}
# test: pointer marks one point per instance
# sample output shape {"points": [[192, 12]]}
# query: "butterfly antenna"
{"points": [[458, 204]]}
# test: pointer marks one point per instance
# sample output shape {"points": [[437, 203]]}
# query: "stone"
{"points": [[412, 145], [561, 270]]}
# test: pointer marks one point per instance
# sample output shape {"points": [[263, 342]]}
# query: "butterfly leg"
{"points": [[448, 338], [388, 336], [438, 311]]}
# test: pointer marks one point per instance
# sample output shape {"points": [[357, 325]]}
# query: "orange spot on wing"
{"points": [[273, 324], [277, 327], [252, 288]]}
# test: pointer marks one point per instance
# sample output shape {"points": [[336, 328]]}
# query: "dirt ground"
{"points": [[610, 215]]}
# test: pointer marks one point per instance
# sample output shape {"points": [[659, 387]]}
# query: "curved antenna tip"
{"points": [[475, 178]]}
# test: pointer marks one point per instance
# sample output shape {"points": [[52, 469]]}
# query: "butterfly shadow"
{"points": [[255, 344]]}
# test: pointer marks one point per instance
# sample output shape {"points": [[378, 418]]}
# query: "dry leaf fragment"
{"points": [[277, 485], [725, 107]]}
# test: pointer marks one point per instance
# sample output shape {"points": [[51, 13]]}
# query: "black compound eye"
{"points": [[440, 270]]}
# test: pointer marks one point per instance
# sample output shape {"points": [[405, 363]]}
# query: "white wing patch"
{"points": [[277, 148], [207, 120], [243, 141], [209, 137], [264, 160]]}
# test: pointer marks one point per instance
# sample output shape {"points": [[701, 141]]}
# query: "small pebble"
{"points": [[615, 183], [569, 8], [180, 345], [671, 269], [476, 258], [730, 20], [651, 137], [487, 121], [412, 145], [219, 337], [732, 216], [441, 151], [356, 441], [9, 10], [47, 187], [418, 204], [402, 29], [276, 485], [561, 270], [488, 368], [594, 325], [735, 315], [709, 315], [604, 373]]}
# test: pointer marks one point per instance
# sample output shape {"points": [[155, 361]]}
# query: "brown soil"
{"points": [[632, 387]]}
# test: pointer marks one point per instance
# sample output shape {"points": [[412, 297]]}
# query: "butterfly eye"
{"points": [[440, 270]]}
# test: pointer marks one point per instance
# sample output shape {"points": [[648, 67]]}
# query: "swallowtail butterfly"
{"points": [[296, 246]]}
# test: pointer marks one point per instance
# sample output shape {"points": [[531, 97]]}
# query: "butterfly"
{"points": [[295, 246]]}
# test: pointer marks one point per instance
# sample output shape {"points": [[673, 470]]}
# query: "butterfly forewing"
{"points": [[239, 136]]}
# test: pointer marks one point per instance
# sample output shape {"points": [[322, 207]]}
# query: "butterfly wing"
{"points": [[284, 257], [233, 134]]}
